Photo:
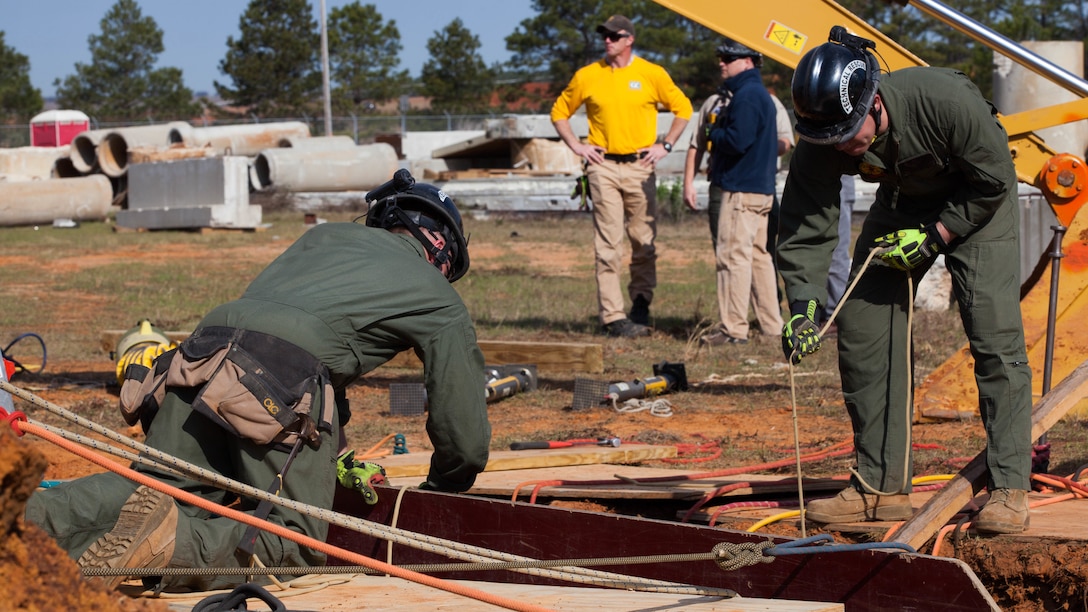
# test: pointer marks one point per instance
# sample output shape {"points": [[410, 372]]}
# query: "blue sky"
{"points": [[53, 33]]}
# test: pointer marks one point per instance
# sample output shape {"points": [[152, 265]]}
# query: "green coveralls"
{"points": [[945, 156], [353, 297]]}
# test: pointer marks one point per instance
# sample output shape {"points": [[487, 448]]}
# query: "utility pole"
{"points": [[325, 71]]}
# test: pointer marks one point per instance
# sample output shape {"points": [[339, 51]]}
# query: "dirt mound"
{"points": [[38, 575]]}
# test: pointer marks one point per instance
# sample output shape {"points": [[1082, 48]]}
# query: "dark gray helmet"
{"points": [[402, 202], [833, 88], [731, 48]]}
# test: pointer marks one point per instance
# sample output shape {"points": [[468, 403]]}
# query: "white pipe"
{"points": [[114, 148], [317, 143], [86, 198], [84, 153], [360, 168], [247, 139]]}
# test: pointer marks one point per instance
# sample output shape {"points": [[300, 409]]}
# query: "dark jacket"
{"points": [[744, 154]]}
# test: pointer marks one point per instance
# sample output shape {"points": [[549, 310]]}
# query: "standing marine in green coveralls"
{"points": [[947, 186], [341, 301]]}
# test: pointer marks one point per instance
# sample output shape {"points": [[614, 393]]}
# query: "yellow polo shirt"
{"points": [[622, 103]]}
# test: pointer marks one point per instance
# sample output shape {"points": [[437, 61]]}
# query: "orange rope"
{"points": [[274, 529]]}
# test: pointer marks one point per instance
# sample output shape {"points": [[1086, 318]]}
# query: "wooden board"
{"points": [[546, 356], [417, 464], [396, 595], [503, 483]]}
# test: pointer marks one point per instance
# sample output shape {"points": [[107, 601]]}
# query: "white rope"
{"points": [[659, 407]]}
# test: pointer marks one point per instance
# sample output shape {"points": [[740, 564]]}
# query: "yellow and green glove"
{"points": [[359, 475], [800, 335], [907, 249]]}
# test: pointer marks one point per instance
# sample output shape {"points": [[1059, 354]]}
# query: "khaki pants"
{"points": [[624, 201], [745, 270]]}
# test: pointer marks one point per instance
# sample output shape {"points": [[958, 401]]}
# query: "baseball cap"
{"points": [[616, 23]]}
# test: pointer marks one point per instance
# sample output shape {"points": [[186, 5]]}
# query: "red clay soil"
{"points": [[38, 575]]}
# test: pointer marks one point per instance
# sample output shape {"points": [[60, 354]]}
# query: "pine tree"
{"points": [[274, 63], [19, 100], [456, 78], [121, 83], [363, 57]]}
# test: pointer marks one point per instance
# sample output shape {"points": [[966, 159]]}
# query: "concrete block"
{"points": [[419, 145], [190, 193]]}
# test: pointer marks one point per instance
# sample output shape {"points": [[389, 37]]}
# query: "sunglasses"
{"points": [[729, 59], [614, 36]]}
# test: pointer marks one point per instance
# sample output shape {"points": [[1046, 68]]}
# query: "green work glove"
{"points": [[800, 335], [359, 475], [909, 248]]}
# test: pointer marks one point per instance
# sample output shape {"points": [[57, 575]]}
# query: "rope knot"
{"points": [[733, 556]]}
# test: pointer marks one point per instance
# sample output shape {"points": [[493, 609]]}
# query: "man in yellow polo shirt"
{"points": [[621, 93]]}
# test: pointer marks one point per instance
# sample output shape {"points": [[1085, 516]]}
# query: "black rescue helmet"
{"points": [[422, 205], [833, 88], [730, 49]]}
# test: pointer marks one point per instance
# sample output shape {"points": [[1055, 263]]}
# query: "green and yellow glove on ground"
{"points": [[359, 475], [800, 335]]}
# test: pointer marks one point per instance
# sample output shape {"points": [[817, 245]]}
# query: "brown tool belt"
{"points": [[254, 385]]}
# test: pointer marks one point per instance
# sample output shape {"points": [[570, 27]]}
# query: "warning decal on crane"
{"points": [[786, 37]]}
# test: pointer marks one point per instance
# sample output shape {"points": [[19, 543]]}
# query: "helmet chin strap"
{"points": [[441, 256], [876, 112]]}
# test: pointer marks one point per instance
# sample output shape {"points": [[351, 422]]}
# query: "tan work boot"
{"points": [[143, 536], [1006, 512], [850, 506]]}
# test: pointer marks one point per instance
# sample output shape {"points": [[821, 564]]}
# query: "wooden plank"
{"points": [[627, 485], [417, 464], [546, 356], [349, 594], [972, 478]]}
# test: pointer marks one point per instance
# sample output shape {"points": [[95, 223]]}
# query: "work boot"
{"points": [[143, 536], [1006, 512], [851, 506], [626, 328], [640, 311]]}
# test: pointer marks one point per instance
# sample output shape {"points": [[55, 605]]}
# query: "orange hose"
{"points": [[372, 452], [274, 529]]}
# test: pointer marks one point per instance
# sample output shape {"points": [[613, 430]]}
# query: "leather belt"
{"points": [[624, 159]]}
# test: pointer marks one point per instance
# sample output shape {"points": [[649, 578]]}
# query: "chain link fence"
{"points": [[363, 129]]}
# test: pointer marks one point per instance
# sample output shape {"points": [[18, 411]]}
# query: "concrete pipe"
{"points": [[359, 168], [86, 198], [113, 151], [243, 140], [31, 163], [317, 143], [84, 152]]}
